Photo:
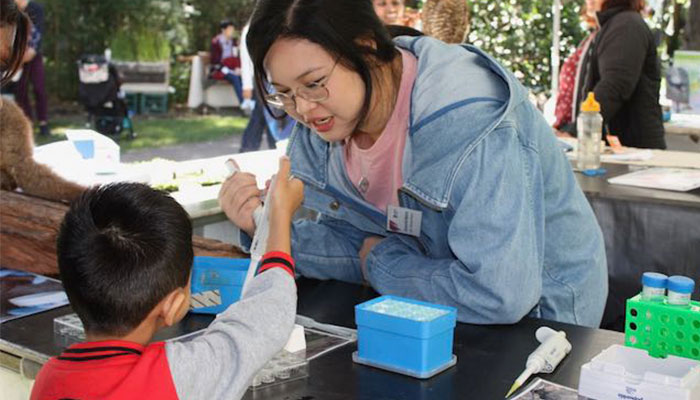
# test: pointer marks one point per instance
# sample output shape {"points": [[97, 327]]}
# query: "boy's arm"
{"points": [[222, 362]]}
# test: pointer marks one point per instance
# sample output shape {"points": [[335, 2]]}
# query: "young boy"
{"points": [[125, 257]]}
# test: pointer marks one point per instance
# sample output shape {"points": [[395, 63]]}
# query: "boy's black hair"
{"points": [[225, 24], [121, 249], [340, 27]]}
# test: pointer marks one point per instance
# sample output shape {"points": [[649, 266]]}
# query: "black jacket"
{"points": [[623, 70]]}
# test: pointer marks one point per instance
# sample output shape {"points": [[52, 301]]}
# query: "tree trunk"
{"points": [[29, 226], [692, 36]]}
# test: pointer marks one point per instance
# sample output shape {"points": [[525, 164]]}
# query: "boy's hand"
{"points": [[287, 194], [285, 198], [239, 197]]}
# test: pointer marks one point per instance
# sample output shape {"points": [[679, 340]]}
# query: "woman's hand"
{"points": [[239, 197], [562, 134], [367, 246]]}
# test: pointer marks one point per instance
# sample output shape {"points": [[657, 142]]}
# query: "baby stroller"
{"points": [[99, 91]]}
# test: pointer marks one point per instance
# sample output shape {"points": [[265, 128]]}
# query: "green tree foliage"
{"points": [[519, 34], [140, 44], [139, 28], [142, 30]]}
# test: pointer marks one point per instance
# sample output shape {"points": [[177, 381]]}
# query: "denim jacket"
{"points": [[506, 231]]}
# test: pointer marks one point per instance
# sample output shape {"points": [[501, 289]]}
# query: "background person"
{"points": [[391, 12], [261, 122], [622, 68], [224, 58], [33, 69], [570, 76]]}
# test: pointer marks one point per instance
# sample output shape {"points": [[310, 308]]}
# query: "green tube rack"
{"points": [[663, 329]]}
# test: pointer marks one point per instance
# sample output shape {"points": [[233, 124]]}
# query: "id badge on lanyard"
{"points": [[403, 220]]}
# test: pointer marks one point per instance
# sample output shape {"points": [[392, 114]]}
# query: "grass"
{"points": [[158, 132]]}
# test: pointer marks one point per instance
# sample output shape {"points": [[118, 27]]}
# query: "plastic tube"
{"points": [[679, 290], [654, 286]]}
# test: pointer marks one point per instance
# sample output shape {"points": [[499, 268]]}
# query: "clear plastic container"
{"points": [[653, 286], [620, 372], [283, 367], [679, 290], [589, 126]]}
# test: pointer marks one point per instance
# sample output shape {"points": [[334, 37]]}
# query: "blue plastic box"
{"points": [[415, 341], [217, 273]]}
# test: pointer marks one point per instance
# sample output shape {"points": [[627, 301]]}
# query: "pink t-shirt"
{"points": [[379, 167]]}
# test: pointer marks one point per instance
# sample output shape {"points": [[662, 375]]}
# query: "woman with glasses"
{"points": [[433, 176]]}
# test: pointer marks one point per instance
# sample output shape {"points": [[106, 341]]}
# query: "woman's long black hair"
{"points": [[10, 15], [343, 28]]}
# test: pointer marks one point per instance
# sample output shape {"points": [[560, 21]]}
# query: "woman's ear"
{"points": [[366, 42]]}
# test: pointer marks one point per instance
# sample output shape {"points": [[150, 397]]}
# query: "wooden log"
{"points": [[29, 227]]}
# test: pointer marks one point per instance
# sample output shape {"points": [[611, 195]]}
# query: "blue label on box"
{"points": [[86, 148]]}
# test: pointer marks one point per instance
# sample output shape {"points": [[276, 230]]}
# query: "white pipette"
{"points": [[553, 348], [261, 215]]}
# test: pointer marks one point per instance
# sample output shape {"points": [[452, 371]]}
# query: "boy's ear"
{"points": [[172, 306]]}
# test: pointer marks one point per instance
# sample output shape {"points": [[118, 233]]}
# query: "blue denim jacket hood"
{"points": [[506, 230]]}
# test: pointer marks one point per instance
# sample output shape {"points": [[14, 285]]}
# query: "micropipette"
{"points": [[553, 348], [261, 215]]}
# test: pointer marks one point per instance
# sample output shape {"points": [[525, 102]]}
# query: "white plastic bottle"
{"points": [[589, 126]]}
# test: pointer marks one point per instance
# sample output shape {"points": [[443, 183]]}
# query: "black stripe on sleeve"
{"points": [[101, 349], [91, 358], [275, 260]]}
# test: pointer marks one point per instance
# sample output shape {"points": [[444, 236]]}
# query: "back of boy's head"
{"points": [[121, 249]]}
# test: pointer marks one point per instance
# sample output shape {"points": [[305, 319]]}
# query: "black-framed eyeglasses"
{"points": [[315, 91]]}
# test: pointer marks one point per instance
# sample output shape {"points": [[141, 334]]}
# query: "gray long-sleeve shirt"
{"points": [[221, 363]]}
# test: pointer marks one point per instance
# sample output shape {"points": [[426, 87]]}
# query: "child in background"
{"points": [[225, 60], [125, 259]]}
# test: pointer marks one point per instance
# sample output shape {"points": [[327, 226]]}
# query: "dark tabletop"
{"points": [[489, 357], [598, 186]]}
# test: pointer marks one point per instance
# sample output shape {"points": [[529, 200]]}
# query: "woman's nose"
{"points": [[303, 106]]}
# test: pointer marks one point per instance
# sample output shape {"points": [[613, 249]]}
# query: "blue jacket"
{"points": [[506, 230]]}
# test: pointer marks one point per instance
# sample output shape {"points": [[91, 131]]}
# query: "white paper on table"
{"points": [[66, 161], [689, 120], [677, 179], [106, 152], [637, 155]]}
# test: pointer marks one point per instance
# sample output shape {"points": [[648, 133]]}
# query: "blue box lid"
{"points": [[434, 322]]}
